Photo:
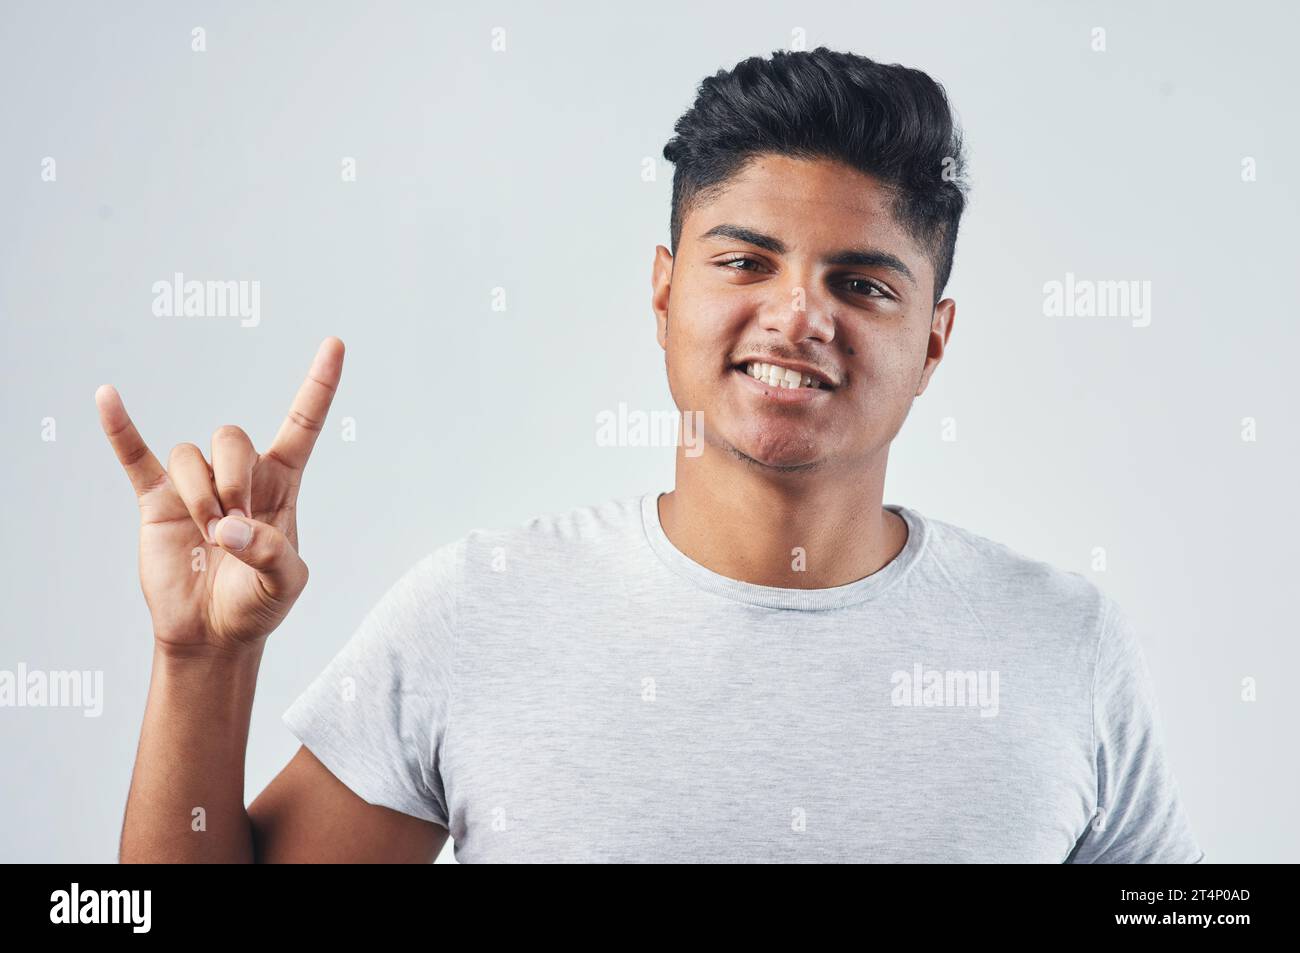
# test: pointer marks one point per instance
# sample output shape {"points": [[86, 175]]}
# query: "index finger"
{"points": [[297, 435], [142, 467]]}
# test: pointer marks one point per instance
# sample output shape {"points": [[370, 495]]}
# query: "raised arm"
{"points": [[220, 569]]}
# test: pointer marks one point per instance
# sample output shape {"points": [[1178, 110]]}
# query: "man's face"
{"points": [[798, 263]]}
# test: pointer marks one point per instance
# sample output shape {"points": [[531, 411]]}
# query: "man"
{"points": [[765, 664]]}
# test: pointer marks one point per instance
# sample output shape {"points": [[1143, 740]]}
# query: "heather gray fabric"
{"points": [[577, 689]]}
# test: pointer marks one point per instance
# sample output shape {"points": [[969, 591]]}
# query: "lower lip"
{"points": [[780, 395]]}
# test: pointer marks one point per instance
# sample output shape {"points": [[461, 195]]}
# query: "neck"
{"points": [[806, 530]]}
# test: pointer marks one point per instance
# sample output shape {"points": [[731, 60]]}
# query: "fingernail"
{"points": [[235, 511], [235, 533], [212, 529]]}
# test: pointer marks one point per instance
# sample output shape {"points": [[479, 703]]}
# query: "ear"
{"points": [[661, 280], [941, 321]]}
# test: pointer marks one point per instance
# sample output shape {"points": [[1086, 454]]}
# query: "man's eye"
{"points": [[859, 286], [868, 288]]}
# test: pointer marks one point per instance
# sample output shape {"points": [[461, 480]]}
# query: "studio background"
{"points": [[524, 169]]}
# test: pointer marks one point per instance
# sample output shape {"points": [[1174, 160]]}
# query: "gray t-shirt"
{"points": [[578, 689]]}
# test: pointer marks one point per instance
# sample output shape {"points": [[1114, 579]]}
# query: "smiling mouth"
{"points": [[774, 375]]}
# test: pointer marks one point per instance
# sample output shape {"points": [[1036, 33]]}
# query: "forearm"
{"points": [[186, 802]]}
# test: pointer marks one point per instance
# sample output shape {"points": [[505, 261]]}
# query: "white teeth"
{"points": [[776, 376]]}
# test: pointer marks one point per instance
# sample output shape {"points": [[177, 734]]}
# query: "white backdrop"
{"points": [[1167, 157]]}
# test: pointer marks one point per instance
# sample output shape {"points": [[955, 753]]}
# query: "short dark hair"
{"points": [[888, 121]]}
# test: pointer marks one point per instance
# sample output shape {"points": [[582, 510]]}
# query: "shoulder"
{"points": [[577, 525], [553, 540], [1004, 581], [492, 570]]}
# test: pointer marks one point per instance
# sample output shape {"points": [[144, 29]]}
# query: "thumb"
{"points": [[266, 549]]}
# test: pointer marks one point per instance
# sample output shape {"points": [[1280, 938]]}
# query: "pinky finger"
{"points": [[141, 466]]}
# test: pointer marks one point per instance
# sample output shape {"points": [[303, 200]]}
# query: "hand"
{"points": [[219, 561]]}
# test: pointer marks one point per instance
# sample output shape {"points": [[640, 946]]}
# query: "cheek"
{"points": [[689, 359], [885, 366], [705, 332]]}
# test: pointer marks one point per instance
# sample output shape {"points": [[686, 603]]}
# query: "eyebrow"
{"points": [[861, 257]]}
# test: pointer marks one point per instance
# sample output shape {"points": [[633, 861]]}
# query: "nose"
{"points": [[801, 313]]}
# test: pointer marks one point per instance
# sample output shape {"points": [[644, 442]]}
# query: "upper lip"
{"points": [[800, 366]]}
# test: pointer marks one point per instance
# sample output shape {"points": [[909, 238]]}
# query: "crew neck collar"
{"points": [[774, 597]]}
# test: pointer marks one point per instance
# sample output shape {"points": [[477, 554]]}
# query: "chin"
{"points": [[780, 451]]}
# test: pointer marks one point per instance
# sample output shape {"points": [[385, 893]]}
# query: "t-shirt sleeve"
{"points": [[1140, 817], [377, 715]]}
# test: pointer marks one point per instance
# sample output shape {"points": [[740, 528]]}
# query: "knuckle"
{"points": [[229, 432], [135, 455], [183, 450], [272, 542], [157, 483], [305, 422]]}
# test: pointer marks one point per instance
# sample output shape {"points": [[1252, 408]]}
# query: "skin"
{"points": [[210, 626], [776, 476], [772, 476]]}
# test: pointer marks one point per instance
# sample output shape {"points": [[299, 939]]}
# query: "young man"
{"points": [[765, 664]]}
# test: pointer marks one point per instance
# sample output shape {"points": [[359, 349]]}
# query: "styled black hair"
{"points": [[888, 121]]}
